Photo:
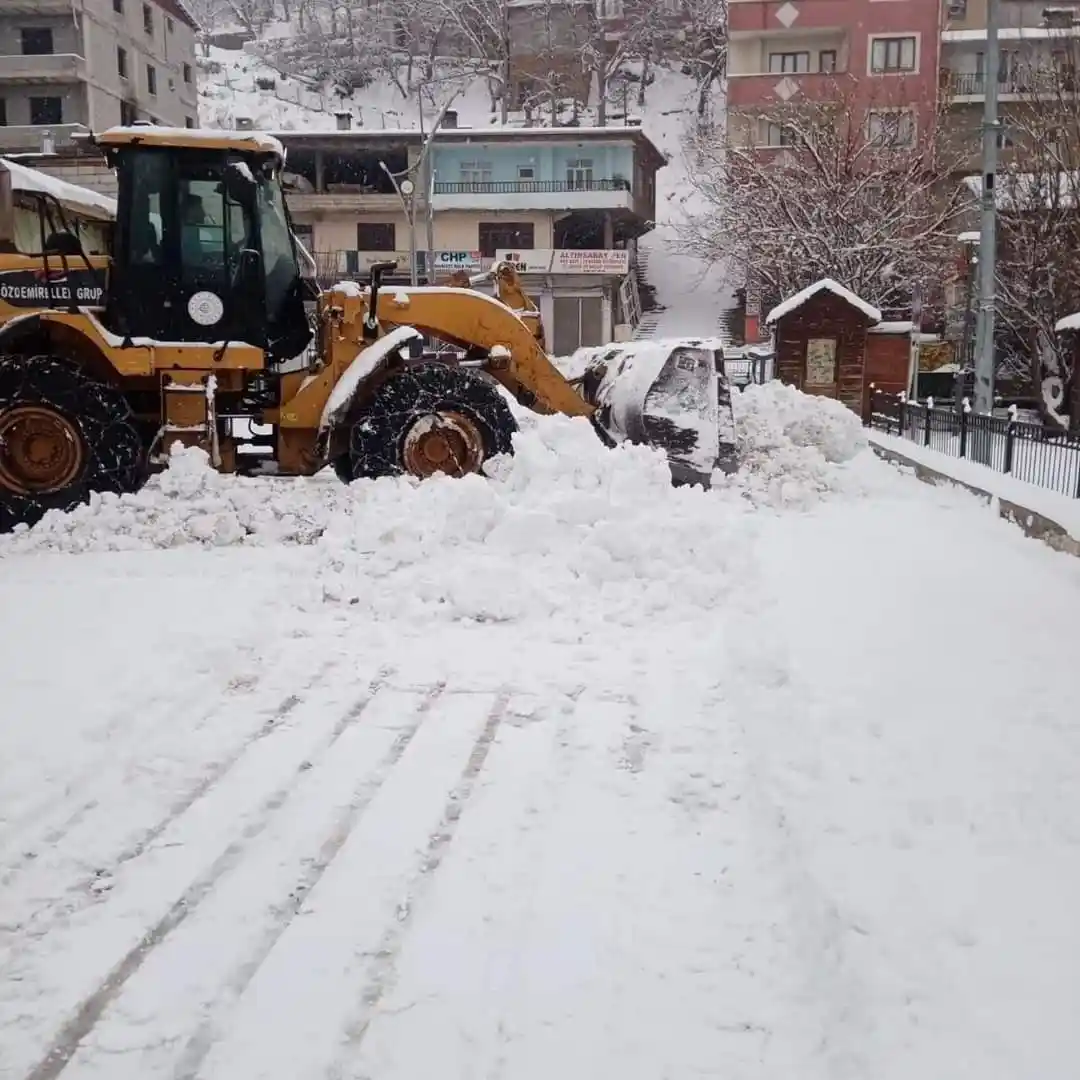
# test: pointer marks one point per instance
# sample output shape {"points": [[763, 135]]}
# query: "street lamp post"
{"points": [[406, 192]]}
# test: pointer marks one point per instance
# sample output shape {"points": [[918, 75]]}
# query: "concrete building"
{"points": [[566, 204], [69, 65]]}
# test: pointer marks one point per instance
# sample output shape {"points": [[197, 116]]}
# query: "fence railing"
{"points": [[1030, 452]]}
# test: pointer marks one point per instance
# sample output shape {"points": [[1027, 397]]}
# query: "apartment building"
{"points": [[885, 54], [1039, 46], [69, 65], [566, 204]]}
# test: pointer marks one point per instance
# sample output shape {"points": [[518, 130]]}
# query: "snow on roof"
{"points": [[1069, 322], [155, 135], [793, 303], [463, 134], [971, 237], [78, 199]]}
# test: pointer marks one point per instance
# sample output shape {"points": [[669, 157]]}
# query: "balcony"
{"points": [[46, 68], [31, 137], [749, 91], [968, 88], [613, 194], [35, 7]]}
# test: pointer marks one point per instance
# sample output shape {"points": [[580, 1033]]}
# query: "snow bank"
{"points": [[794, 448], [564, 528], [187, 504]]}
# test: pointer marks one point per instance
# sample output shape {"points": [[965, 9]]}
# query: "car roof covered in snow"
{"points": [[793, 303], [252, 142], [78, 200]]}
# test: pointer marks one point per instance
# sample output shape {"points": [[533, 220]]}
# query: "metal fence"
{"points": [[1030, 452]]}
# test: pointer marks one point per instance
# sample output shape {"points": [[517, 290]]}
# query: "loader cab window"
{"points": [[204, 252]]}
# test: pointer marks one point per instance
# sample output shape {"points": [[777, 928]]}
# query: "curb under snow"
{"points": [[1031, 522]]}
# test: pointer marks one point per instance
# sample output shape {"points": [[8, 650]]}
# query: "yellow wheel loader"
{"points": [[194, 328]]}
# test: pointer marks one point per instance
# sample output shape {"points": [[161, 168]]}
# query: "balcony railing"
{"points": [[43, 67], [524, 187], [973, 84]]}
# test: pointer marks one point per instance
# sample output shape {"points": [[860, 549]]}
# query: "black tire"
{"points": [[378, 429], [110, 453]]}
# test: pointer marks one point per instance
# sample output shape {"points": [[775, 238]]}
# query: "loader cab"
{"points": [[203, 249]]}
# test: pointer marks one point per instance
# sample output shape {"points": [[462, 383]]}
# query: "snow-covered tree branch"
{"points": [[838, 188], [1038, 269]]}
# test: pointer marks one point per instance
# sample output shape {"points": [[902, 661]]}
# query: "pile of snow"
{"points": [[793, 447], [564, 528], [187, 504]]}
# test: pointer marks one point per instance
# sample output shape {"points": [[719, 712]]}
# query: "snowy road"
{"points": [[778, 790]]}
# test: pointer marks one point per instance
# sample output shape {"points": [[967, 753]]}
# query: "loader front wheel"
{"points": [[434, 418], [63, 436]]}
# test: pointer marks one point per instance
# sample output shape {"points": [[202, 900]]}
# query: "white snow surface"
{"points": [[558, 771], [793, 303]]}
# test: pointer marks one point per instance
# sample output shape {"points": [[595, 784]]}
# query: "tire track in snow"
{"points": [[91, 1008], [202, 1041], [104, 770], [382, 974], [82, 892]]}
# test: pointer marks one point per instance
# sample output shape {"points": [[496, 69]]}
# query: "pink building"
{"points": [[883, 54]]}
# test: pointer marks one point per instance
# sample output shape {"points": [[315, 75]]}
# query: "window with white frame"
{"points": [[476, 172], [893, 55], [579, 172], [827, 61], [891, 127], [526, 172], [789, 63], [609, 9]]}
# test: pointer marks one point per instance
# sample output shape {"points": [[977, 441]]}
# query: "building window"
{"points": [[1005, 139], [187, 73], [128, 113], [506, 234], [789, 63], [121, 62], [778, 135], [526, 172], [169, 26], [148, 19], [37, 41], [376, 236], [3, 112], [827, 61], [151, 79], [579, 173], [46, 110], [476, 172], [892, 128], [889, 55], [189, 121]]}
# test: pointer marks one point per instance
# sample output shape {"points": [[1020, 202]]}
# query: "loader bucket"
{"points": [[671, 394]]}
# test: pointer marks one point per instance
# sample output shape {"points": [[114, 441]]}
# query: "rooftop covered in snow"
{"points": [[793, 303], [1068, 322], [79, 200], [360, 138]]}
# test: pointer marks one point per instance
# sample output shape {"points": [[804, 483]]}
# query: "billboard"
{"points": [[615, 263]]}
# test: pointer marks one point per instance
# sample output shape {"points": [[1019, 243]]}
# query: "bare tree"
{"points": [[1038, 269], [840, 188], [702, 44], [618, 34]]}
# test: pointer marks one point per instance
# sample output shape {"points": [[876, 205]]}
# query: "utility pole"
{"points": [[984, 331]]}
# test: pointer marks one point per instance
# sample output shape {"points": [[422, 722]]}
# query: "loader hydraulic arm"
{"points": [[471, 319]]}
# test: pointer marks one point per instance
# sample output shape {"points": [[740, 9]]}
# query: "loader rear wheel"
{"points": [[430, 419], [63, 436]]}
